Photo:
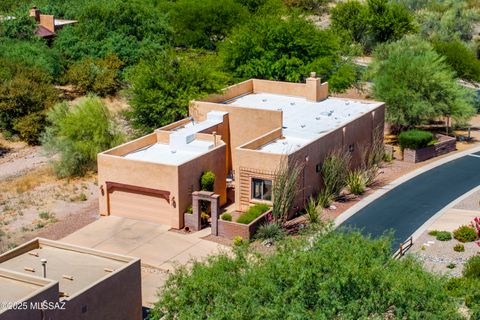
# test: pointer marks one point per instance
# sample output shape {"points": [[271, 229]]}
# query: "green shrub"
{"points": [[207, 181], [472, 268], [270, 231], [325, 198], [99, 76], [461, 58], [253, 213], [78, 134], [356, 182], [451, 266], [433, 233], [237, 241], [313, 210], [465, 234], [189, 209], [30, 127], [414, 139], [226, 217], [338, 275], [459, 248], [44, 215], [443, 236]]}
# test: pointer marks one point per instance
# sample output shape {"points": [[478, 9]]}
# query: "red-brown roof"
{"points": [[44, 32]]}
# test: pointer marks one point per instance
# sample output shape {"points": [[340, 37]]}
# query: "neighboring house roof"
{"points": [[44, 32]]}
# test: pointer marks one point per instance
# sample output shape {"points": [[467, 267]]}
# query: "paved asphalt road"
{"points": [[407, 207]]}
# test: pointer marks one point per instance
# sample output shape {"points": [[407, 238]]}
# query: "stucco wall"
{"points": [[245, 124], [118, 296], [359, 132], [189, 177], [178, 180], [49, 294], [137, 173]]}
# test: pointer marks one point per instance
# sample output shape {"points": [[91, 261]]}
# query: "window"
{"points": [[351, 147], [318, 168], [261, 189]]}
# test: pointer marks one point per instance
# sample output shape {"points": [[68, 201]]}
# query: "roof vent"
{"points": [[284, 143], [302, 125], [292, 103], [317, 118], [347, 103], [264, 100], [173, 151]]}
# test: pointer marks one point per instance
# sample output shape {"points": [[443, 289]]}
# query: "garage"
{"points": [[139, 203]]}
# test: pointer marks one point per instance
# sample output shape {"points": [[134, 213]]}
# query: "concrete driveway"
{"points": [[159, 249]]}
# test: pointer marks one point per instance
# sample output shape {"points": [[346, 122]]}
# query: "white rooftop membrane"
{"points": [[183, 145], [166, 154], [304, 120]]}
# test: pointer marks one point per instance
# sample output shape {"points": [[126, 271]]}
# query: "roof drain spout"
{"points": [[214, 138]]}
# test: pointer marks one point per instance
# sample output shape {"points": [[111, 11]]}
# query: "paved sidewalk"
{"points": [[159, 249], [452, 218]]}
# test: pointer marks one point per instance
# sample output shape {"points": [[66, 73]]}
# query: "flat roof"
{"points": [[17, 287], [168, 154], [74, 268], [304, 120], [183, 145]]}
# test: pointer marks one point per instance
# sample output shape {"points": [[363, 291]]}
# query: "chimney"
{"points": [[48, 22], [35, 12], [316, 91]]}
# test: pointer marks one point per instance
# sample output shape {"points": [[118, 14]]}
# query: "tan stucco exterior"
{"points": [[81, 283], [144, 177], [243, 131]]}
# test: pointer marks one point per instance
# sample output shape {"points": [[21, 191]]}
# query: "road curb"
{"points": [[383, 190]]}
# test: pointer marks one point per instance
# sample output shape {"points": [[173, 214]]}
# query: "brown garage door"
{"points": [[139, 205]]}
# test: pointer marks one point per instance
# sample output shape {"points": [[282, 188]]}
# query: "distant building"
{"points": [[48, 25], [241, 135], [50, 280]]}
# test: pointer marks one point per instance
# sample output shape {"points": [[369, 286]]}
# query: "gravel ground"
{"points": [[20, 160], [437, 255]]}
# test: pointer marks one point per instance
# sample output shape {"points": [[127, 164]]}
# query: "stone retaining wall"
{"points": [[444, 145]]}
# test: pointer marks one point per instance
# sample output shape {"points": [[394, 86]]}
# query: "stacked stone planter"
{"points": [[444, 145]]}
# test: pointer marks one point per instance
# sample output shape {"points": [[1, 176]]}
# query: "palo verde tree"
{"points": [[162, 87], [416, 84], [201, 24], [78, 133], [372, 22], [286, 48]]}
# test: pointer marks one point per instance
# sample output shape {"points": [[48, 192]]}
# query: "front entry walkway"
{"points": [[159, 249]]}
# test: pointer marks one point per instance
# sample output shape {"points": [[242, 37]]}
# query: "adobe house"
{"points": [[72, 283], [48, 25], [241, 135]]}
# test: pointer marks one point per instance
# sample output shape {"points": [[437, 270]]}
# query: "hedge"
{"points": [[253, 213], [415, 139]]}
